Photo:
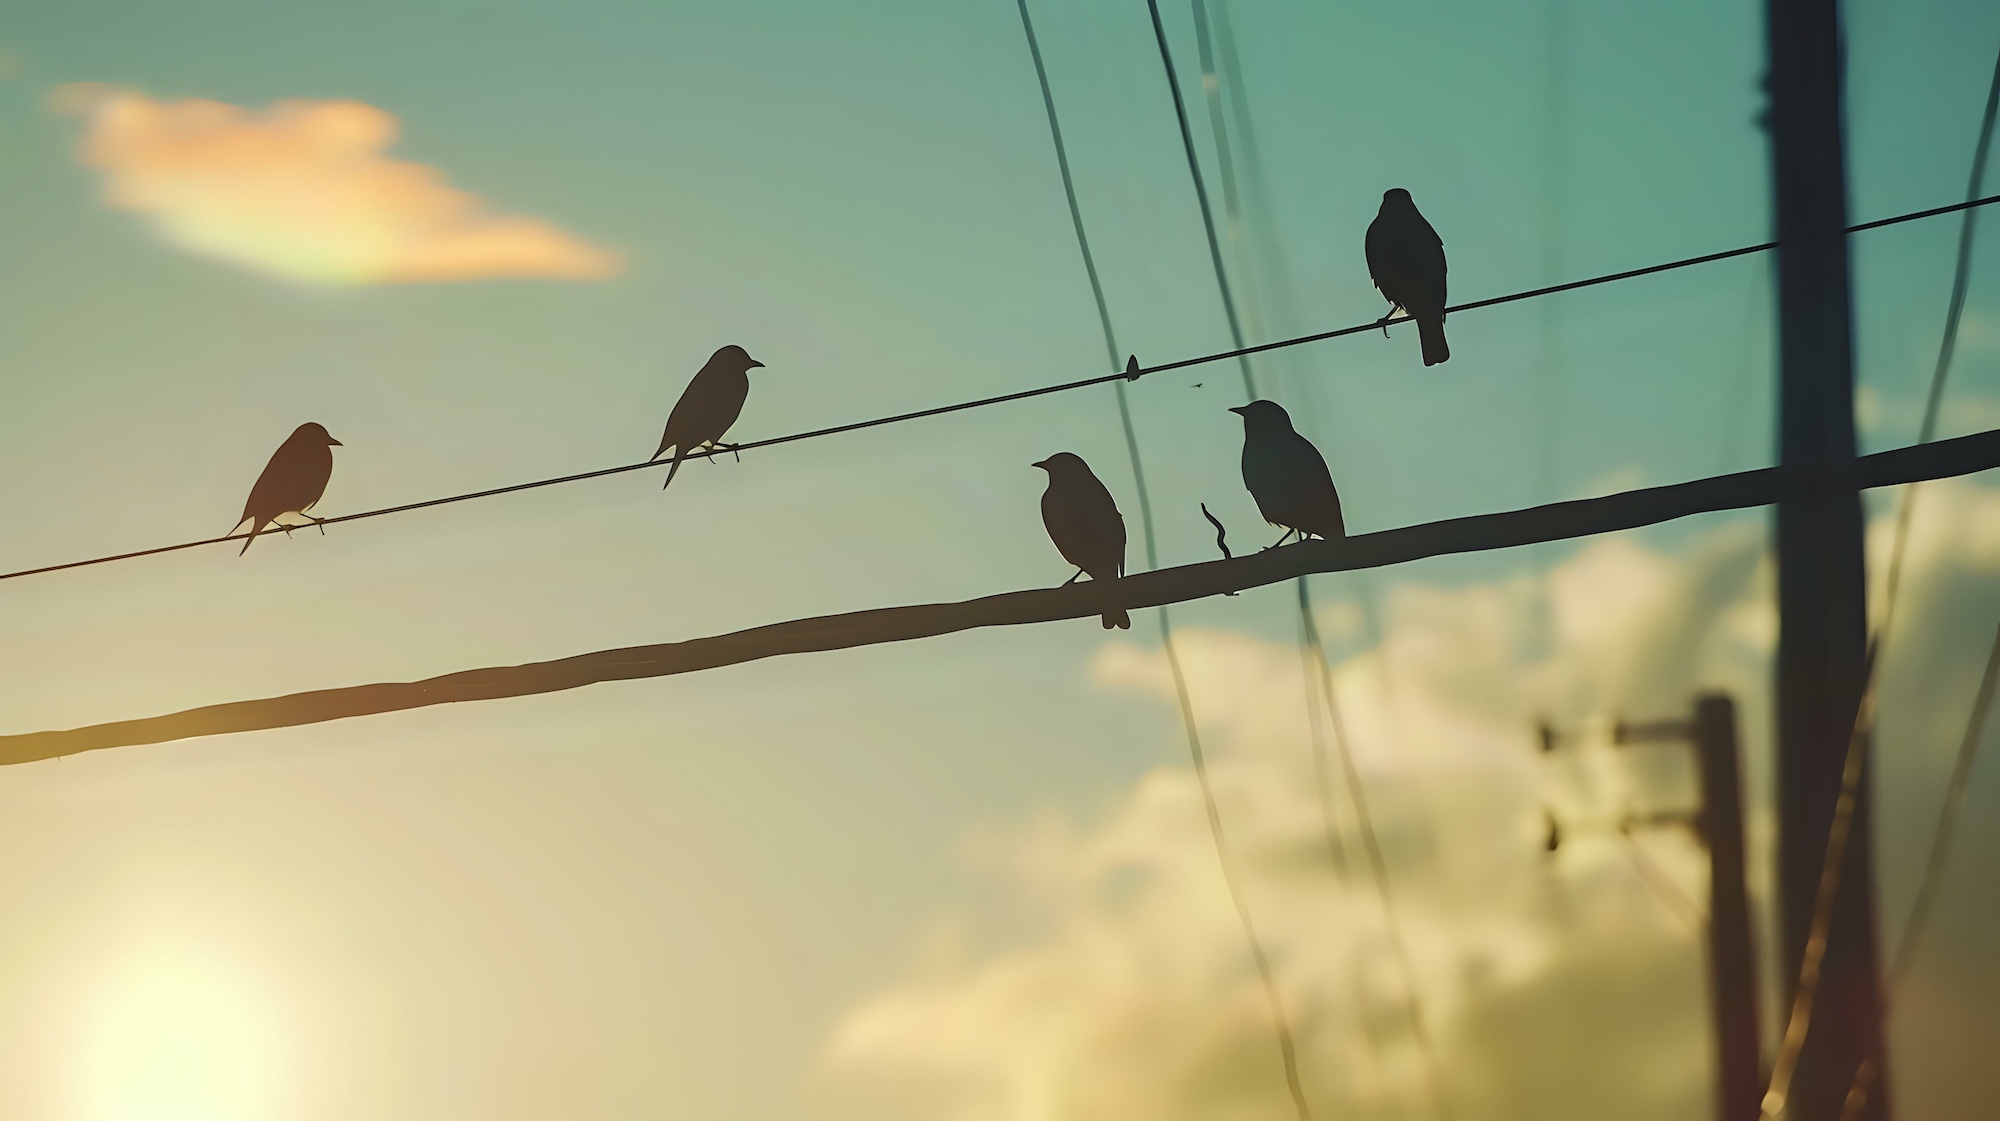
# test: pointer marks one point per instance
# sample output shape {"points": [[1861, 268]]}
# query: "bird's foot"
{"points": [[1384, 322], [320, 522], [286, 528], [1073, 579]]}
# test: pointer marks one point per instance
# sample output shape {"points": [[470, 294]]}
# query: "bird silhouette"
{"points": [[292, 482], [1286, 474], [1084, 522], [708, 406], [1406, 261]]}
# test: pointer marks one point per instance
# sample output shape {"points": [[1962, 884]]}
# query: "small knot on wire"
{"points": [[1132, 370]]}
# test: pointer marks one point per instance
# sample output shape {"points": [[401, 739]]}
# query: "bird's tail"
{"points": [[256, 527], [679, 454], [1431, 331], [1117, 620]]}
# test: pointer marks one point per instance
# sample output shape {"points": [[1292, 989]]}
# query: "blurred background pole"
{"points": [[1732, 954], [1821, 576], [1731, 950]]}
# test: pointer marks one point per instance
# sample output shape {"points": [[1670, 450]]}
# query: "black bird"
{"points": [[1084, 522], [708, 406], [1406, 261], [1286, 474], [292, 482]]}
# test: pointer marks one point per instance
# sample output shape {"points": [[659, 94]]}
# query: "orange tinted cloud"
{"points": [[302, 190]]}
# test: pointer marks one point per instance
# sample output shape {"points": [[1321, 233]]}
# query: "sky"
{"points": [[966, 878]]}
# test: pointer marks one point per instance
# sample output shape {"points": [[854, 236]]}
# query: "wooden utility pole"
{"points": [[1732, 952], [1821, 576]]}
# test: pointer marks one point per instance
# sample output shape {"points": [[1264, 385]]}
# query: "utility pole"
{"points": [[1821, 575], [1732, 953]]}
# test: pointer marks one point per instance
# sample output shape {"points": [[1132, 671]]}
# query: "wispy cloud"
{"points": [[1553, 988], [304, 190]]}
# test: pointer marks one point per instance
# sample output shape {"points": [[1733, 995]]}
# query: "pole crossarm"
{"points": [[1509, 529]]}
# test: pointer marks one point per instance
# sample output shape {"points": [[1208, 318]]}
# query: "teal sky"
{"points": [[681, 897]]}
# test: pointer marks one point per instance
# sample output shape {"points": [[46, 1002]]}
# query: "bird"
{"points": [[292, 482], [1406, 261], [1084, 522], [708, 406], [1287, 475]]}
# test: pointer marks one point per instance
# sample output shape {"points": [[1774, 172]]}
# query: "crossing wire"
{"points": [[1798, 1023], [1281, 1022]]}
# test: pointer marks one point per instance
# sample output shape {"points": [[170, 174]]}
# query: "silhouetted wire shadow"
{"points": [[1287, 1048], [1478, 533], [1004, 398], [1799, 1020]]}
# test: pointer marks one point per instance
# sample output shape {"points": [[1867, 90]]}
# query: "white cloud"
{"points": [[1553, 989], [303, 190]]}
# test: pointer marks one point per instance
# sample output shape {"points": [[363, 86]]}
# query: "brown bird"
{"points": [[1287, 475], [292, 482], [1084, 522], [1406, 261], [708, 406]]}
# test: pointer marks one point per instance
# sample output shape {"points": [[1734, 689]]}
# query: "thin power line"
{"points": [[1131, 374], [1287, 1048], [1947, 823], [1212, 88], [1243, 353], [1372, 845], [1799, 1021], [1941, 838]]}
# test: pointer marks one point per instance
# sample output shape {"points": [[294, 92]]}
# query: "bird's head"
{"points": [[1264, 415], [734, 357], [1063, 463], [1396, 197], [312, 432]]}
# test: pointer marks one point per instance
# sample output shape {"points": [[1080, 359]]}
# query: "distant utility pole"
{"points": [[1732, 952], [1821, 576]]}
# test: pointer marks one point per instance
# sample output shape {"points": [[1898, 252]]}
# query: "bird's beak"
{"points": [[335, 443], [754, 364], [1237, 409], [1041, 463]]}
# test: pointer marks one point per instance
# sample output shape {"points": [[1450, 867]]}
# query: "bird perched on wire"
{"points": [[708, 406], [1286, 474], [292, 482], [1406, 261], [1084, 522]]}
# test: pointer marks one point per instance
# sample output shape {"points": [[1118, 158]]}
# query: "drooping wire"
{"points": [[1287, 1048], [1201, 201], [1213, 90], [1131, 374], [1799, 1021]]}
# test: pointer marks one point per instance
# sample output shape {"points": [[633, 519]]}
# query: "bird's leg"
{"points": [[1387, 316], [283, 526], [1073, 579], [320, 522], [1279, 541]]}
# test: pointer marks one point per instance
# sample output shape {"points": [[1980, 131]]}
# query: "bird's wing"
{"points": [[708, 406], [1428, 257], [291, 481], [1085, 525], [1376, 246], [1310, 494]]}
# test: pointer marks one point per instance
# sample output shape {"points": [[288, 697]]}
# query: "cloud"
{"points": [[1552, 988], [303, 190]]}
